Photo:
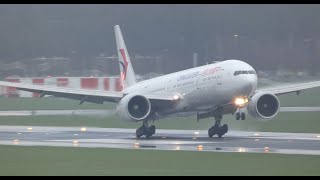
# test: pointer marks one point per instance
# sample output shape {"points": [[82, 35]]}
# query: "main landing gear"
{"points": [[145, 130], [217, 128]]}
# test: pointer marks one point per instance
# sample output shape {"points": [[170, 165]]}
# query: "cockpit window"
{"points": [[251, 72], [243, 72]]}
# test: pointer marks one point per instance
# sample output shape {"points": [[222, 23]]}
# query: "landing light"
{"points": [[196, 132], [176, 97], [318, 136], [75, 143], [200, 148], [30, 128], [16, 141], [136, 145], [177, 148], [241, 101], [83, 129], [242, 150]]}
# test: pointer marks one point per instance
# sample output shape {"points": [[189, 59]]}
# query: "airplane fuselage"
{"points": [[204, 87]]}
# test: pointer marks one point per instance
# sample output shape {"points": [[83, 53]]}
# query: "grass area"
{"points": [[19, 160], [85, 161], [285, 122]]}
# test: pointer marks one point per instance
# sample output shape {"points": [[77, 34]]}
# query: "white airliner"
{"points": [[211, 90]]}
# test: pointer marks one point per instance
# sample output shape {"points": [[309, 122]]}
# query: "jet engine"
{"points": [[134, 107], [264, 106]]}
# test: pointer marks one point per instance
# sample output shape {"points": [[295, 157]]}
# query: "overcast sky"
{"points": [[30, 31]]}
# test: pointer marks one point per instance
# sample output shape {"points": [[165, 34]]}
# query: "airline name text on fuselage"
{"points": [[208, 71]]}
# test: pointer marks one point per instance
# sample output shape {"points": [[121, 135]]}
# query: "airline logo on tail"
{"points": [[127, 75], [124, 65]]}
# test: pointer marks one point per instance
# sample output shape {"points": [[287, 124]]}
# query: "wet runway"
{"points": [[188, 140]]}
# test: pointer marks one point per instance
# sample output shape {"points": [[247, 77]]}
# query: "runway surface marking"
{"points": [[187, 140]]}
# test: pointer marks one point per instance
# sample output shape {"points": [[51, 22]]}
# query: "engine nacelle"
{"points": [[134, 107], [264, 106]]}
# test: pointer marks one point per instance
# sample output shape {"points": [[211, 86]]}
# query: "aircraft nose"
{"points": [[252, 82], [249, 85]]}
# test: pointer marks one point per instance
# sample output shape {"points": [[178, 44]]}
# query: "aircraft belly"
{"points": [[208, 98]]}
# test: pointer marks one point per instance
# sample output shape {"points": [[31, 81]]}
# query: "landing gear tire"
{"points": [[243, 116], [148, 135], [210, 133], [217, 128], [152, 129], [145, 130], [238, 116], [224, 128], [140, 132], [213, 130]]}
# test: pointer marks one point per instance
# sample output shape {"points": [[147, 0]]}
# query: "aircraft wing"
{"points": [[84, 95], [289, 88], [299, 109]]}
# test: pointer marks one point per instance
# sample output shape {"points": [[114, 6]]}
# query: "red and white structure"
{"points": [[96, 83]]}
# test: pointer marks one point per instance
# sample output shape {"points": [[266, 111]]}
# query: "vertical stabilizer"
{"points": [[126, 71]]}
